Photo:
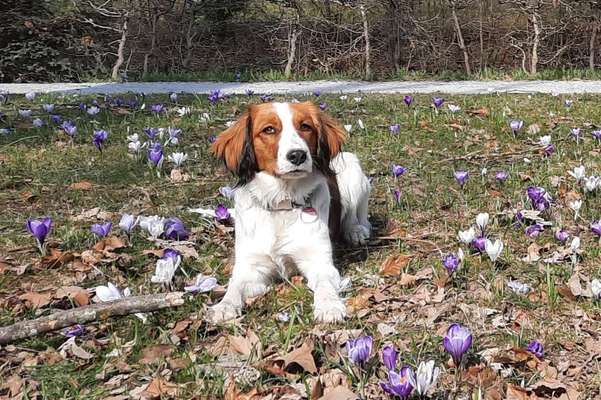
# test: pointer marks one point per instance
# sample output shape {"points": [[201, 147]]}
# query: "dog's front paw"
{"points": [[223, 312], [357, 235], [329, 310]]}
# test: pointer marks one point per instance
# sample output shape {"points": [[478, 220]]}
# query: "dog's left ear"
{"points": [[331, 138]]}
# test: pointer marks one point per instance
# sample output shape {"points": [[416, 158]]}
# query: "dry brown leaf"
{"points": [[79, 295], [83, 185], [533, 253], [246, 345], [340, 393], [36, 300], [302, 357], [155, 353], [177, 175], [56, 258], [360, 301], [109, 244], [159, 387], [481, 112], [393, 265], [517, 393], [407, 279]]}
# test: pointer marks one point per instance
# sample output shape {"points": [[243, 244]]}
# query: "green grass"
{"points": [[37, 166]]}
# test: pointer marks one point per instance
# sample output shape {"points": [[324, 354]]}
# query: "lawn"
{"points": [[401, 293]]}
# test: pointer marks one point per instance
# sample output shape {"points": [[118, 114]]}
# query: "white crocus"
{"points": [[460, 254], [577, 173], [178, 158], [453, 108], [575, 206], [357, 99], [182, 111], [544, 140], [360, 123], [592, 183], [133, 138], [135, 147], [519, 287], [154, 225], [484, 171], [343, 97], [493, 249], [165, 269], [30, 95], [111, 292], [596, 288], [425, 377], [468, 236], [575, 244], [128, 222], [482, 221], [25, 113], [348, 128]]}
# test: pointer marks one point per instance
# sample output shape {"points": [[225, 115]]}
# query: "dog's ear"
{"points": [[331, 138], [234, 146]]}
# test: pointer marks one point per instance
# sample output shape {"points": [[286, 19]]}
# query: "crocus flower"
{"points": [[128, 223], [534, 230], [453, 108], [399, 384], [493, 249], [56, 118], [359, 349], [479, 243], [157, 108], [323, 106], [39, 228], [38, 123], [544, 140], [317, 93], [549, 150], [99, 138], [575, 244], [183, 111], [592, 183], [30, 95], [596, 134], [394, 129], [389, 357], [111, 292], [437, 101], [174, 229], [360, 124], [596, 288], [165, 269], [283, 316], [575, 132], [212, 138], [214, 96], [25, 113], [501, 176], [48, 108], [519, 287], [69, 128], [535, 347], [396, 195], [450, 262], [202, 284], [93, 110], [173, 135], [425, 377], [578, 173], [155, 154], [457, 341], [540, 199], [173, 97], [461, 177], [568, 103], [516, 125], [575, 206], [151, 132], [177, 158], [482, 221], [398, 170], [249, 92], [101, 230], [265, 98], [468, 236], [226, 192], [561, 235], [222, 213], [596, 227], [83, 106], [348, 128], [408, 99], [74, 331]]}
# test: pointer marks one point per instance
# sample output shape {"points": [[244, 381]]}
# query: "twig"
{"points": [[477, 156], [20, 140], [95, 312]]}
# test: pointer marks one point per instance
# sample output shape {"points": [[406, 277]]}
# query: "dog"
{"points": [[296, 193]]}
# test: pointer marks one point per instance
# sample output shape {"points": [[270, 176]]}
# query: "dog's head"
{"points": [[286, 140]]}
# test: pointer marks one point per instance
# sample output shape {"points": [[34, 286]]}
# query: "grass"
{"points": [[37, 167]]}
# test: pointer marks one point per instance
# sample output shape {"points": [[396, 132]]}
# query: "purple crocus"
{"points": [[249, 92], [265, 98], [175, 229], [323, 106], [399, 384], [151, 132], [155, 154], [396, 195], [501, 176], [575, 132], [568, 103], [535, 347], [479, 243], [102, 230], [457, 341], [56, 118], [516, 125], [38, 123], [48, 108], [173, 135], [222, 214], [226, 192], [389, 357], [437, 101], [317, 93], [561, 235], [398, 170], [157, 108], [69, 128], [212, 138], [202, 284], [450, 262], [540, 199], [74, 331], [99, 138], [214, 96], [534, 230], [461, 177], [549, 149], [395, 129], [408, 99], [359, 349], [597, 134], [170, 253], [39, 228], [596, 227]]}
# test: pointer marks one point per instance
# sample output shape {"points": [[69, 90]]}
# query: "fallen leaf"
{"points": [[533, 253], [79, 295], [407, 279], [70, 347], [83, 185], [109, 244], [155, 353], [246, 345], [481, 112], [340, 393], [302, 357], [393, 265], [56, 258], [36, 300], [159, 387]]}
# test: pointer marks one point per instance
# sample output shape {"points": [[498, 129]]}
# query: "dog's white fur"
{"points": [[272, 242]]}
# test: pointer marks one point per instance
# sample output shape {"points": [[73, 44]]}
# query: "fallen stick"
{"points": [[95, 312]]}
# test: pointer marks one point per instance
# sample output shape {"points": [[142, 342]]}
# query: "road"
{"points": [[455, 87]]}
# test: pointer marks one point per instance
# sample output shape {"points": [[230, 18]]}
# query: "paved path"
{"points": [[457, 87]]}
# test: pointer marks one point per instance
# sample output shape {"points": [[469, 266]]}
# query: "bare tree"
{"points": [[466, 56]]}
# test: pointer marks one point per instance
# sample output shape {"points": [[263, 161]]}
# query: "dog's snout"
{"points": [[297, 157]]}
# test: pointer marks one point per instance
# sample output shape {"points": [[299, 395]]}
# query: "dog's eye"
{"points": [[305, 127], [270, 130]]}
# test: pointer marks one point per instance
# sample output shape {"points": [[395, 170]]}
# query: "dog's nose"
{"points": [[297, 157]]}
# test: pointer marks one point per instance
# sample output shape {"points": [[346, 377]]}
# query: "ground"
{"points": [[400, 293]]}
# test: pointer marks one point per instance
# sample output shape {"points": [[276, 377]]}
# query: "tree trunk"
{"points": [[292, 36], [591, 54], [535, 43], [466, 57], [367, 45], [120, 50]]}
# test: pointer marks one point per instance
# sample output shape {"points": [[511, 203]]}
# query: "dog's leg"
{"points": [[248, 280], [324, 280]]}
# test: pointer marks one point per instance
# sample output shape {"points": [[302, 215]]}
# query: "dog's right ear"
{"points": [[234, 147]]}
